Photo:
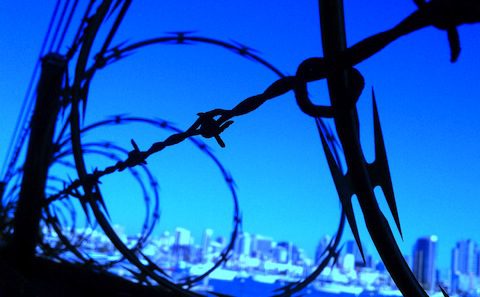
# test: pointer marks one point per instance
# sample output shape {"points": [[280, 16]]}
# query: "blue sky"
{"points": [[428, 108]]}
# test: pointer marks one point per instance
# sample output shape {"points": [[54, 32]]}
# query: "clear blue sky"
{"points": [[428, 108]]}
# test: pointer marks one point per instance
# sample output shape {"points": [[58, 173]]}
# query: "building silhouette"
{"points": [[181, 247], [321, 247], [465, 266], [206, 243], [243, 244], [424, 261]]}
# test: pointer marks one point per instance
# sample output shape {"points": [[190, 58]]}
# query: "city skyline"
{"points": [[250, 250], [467, 248], [426, 107]]}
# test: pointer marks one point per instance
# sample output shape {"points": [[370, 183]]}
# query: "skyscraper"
{"points": [[261, 247], [351, 248], [206, 243], [181, 247], [465, 265], [424, 261], [465, 259], [243, 244], [280, 254], [477, 272], [321, 247]]}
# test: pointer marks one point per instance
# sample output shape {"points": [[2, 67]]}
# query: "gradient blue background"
{"points": [[428, 108]]}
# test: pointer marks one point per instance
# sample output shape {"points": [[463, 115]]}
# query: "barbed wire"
{"points": [[158, 123], [209, 124], [212, 123], [112, 151]]}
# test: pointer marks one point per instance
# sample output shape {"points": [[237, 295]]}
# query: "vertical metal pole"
{"points": [[32, 193], [334, 43]]}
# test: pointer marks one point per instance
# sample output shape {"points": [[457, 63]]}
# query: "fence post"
{"points": [[39, 154]]}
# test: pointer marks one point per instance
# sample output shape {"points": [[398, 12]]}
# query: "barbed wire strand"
{"points": [[67, 25]]}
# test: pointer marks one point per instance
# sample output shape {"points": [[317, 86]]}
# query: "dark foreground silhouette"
{"points": [[51, 279]]}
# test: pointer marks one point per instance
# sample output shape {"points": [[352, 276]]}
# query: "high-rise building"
{"points": [[321, 247], [351, 248], [296, 254], [464, 265], [262, 247], [206, 243], [280, 254], [477, 272], [181, 247], [243, 244], [182, 236], [465, 260], [424, 261], [287, 246]]}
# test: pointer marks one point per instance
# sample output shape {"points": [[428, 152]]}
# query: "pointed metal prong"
{"points": [[181, 35], [83, 203], [445, 294], [121, 56], [119, 45], [219, 140], [419, 3], [134, 144], [244, 50], [347, 207], [85, 210], [114, 8], [344, 190], [454, 43], [379, 169], [98, 197], [138, 275]]}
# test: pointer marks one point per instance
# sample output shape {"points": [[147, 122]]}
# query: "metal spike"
{"points": [[379, 170], [344, 190], [137, 275], [241, 45], [244, 50], [454, 43], [119, 45], [419, 3], [121, 56], [445, 294], [99, 198], [180, 35], [83, 203], [112, 10], [85, 210], [134, 144], [118, 118]]}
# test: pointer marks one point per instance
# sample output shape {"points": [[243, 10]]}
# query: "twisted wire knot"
{"points": [[135, 157], [210, 127]]}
